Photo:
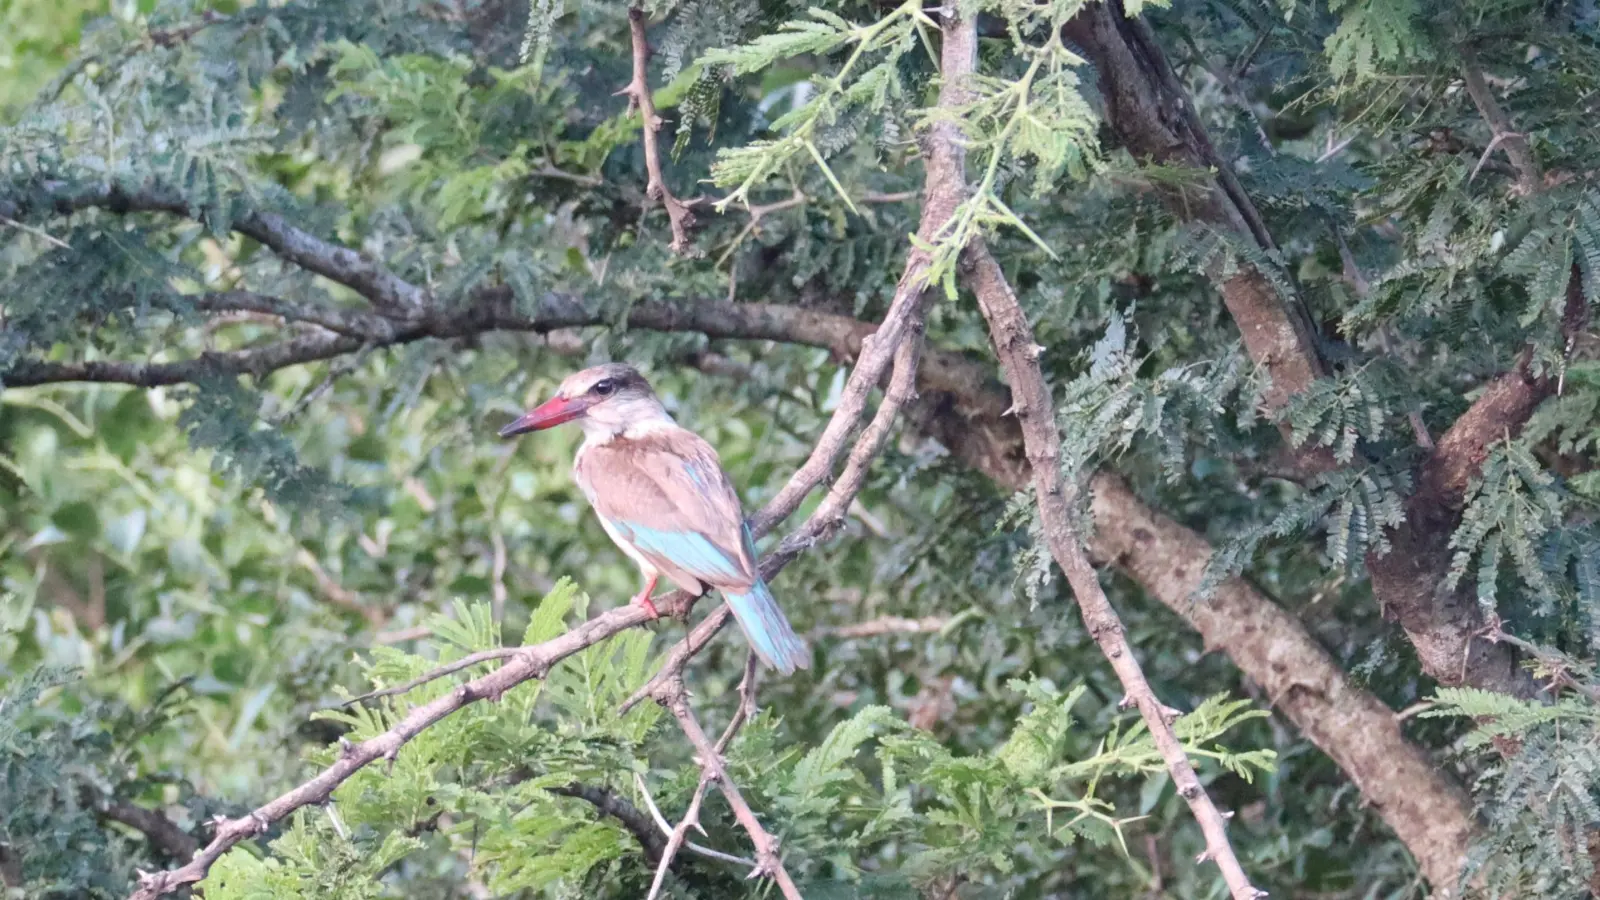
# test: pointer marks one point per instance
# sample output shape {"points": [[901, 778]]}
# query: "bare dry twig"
{"points": [[1505, 136], [889, 625], [679, 212], [666, 829]]}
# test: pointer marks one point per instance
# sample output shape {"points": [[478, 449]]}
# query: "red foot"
{"points": [[643, 597]]}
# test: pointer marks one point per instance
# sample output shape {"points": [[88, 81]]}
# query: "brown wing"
{"points": [[667, 496]]}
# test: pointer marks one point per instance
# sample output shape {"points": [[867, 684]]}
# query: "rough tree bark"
{"points": [[1424, 806], [1153, 116]]}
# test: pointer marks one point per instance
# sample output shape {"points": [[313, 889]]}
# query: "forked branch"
{"points": [[679, 212], [678, 837], [675, 698]]}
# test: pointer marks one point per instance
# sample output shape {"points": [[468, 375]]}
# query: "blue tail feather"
{"points": [[767, 630]]}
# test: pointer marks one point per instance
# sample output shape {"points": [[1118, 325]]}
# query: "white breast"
{"points": [[623, 544]]}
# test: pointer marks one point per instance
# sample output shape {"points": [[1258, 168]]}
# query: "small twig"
{"points": [[1488, 151], [889, 625], [340, 368], [757, 212], [1334, 149], [402, 635], [1413, 709], [1517, 149], [679, 212], [685, 650], [497, 575], [36, 232], [1241, 67], [895, 197], [337, 593], [678, 836], [465, 662], [1419, 430], [666, 829]]}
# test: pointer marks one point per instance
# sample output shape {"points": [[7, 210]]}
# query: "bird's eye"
{"points": [[605, 387]]}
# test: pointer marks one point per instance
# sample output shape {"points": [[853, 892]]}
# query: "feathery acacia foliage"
{"points": [[320, 249]]}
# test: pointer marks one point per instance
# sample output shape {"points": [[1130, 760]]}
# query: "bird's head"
{"points": [[605, 401]]}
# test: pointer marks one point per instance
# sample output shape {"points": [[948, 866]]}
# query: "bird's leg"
{"points": [[643, 597]]}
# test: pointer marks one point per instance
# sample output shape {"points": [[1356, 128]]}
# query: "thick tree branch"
{"points": [[387, 291], [679, 213], [1154, 118], [257, 361], [162, 833], [1428, 811], [1453, 640], [1153, 115], [1056, 499]]}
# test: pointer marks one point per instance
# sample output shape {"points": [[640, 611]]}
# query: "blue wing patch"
{"points": [[702, 479], [689, 550]]}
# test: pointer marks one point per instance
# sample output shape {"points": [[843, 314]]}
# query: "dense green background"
{"points": [[191, 573]]}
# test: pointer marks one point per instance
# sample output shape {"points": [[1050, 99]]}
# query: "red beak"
{"points": [[549, 414]]}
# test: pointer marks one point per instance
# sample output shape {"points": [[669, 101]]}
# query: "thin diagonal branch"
{"points": [[1057, 500], [944, 187], [666, 829], [465, 662], [679, 212], [680, 834]]}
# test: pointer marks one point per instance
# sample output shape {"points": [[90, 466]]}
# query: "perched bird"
{"points": [[662, 496]]}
